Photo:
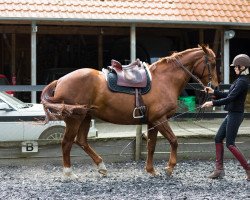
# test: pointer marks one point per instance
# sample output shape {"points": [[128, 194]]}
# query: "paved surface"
{"points": [[183, 128]]}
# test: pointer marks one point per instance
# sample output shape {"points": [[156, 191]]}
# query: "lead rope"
{"points": [[143, 133], [199, 107]]}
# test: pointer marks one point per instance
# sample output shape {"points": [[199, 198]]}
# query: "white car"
{"points": [[21, 121]]}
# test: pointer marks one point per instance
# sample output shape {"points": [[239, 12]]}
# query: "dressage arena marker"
{"points": [[29, 147]]}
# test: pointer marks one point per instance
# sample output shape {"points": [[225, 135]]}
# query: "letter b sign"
{"points": [[29, 146]]}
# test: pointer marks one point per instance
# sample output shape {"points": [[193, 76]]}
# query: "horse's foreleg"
{"points": [[167, 132], [82, 141], [151, 142], [72, 126]]}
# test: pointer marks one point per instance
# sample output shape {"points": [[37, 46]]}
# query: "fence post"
{"points": [[138, 141]]}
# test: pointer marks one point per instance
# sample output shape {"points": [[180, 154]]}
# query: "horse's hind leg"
{"points": [[151, 142], [72, 126], [82, 141], [167, 132]]}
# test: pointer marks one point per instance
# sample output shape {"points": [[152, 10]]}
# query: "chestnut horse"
{"points": [[83, 94]]}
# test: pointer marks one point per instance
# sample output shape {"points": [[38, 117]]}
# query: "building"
{"points": [[41, 39]]}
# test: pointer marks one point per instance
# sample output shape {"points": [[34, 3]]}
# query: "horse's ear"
{"points": [[204, 48]]}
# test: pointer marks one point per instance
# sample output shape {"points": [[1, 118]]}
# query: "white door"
{"points": [[11, 125]]}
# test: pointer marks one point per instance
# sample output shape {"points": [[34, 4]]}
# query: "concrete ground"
{"points": [[186, 128], [117, 143]]}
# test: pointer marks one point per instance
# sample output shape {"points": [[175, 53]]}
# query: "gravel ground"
{"points": [[124, 181]]}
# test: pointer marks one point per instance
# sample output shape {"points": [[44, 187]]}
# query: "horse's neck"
{"points": [[188, 59], [171, 78], [172, 74]]}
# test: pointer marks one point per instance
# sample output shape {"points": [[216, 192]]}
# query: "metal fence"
{"points": [[30, 88], [190, 86]]}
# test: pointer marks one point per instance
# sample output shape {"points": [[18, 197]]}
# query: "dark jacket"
{"points": [[234, 99]]}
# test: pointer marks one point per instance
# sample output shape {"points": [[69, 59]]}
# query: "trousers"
{"points": [[229, 128]]}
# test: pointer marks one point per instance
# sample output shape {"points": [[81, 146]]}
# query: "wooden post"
{"points": [[33, 60], [226, 51], [201, 36], [138, 141], [222, 54], [100, 51], [216, 41], [132, 58], [132, 43], [13, 54], [228, 35]]}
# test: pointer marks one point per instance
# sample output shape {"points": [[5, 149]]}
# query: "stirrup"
{"points": [[137, 116]]}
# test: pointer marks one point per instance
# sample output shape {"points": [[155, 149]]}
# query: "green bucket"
{"points": [[189, 102]]}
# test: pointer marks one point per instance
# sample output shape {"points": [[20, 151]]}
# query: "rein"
{"points": [[143, 134], [206, 96], [189, 73]]}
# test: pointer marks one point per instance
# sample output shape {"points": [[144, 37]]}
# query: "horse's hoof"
{"points": [[102, 169], [169, 171], [152, 172], [68, 173]]}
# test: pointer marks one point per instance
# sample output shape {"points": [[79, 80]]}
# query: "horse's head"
{"points": [[205, 67], [198, 63]]}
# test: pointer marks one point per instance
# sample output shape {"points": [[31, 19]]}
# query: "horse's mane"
{"points": [[176, 55]]}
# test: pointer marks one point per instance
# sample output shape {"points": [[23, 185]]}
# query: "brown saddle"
{"points": [[132, 75]]}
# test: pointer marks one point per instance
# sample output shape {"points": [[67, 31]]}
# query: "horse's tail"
{"points": [[47, 99], [48, 93], [58, 110]]}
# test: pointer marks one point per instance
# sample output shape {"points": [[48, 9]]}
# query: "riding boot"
{"points": [[240, 157], [219, 167]]}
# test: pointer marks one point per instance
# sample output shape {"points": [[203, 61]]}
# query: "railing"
{"points": [[21, 88], [29, 88], [198, 86], [190, 86]]}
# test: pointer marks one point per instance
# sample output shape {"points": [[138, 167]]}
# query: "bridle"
{"points": [[207, 64]]}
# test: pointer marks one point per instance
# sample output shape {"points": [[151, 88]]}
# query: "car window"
{"points": [[13, 101]]}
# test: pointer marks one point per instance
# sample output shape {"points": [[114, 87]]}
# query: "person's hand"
{"points": [[207, 104], [209, 90]]}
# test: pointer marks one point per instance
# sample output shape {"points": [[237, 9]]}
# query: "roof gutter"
{"points": [[127, 21]]}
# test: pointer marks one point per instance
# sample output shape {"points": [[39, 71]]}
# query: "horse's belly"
{"points": [[125, 118]]}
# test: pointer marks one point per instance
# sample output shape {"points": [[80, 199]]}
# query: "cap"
{"points": [[241, 60]]}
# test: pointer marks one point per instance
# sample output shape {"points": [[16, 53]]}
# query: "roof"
{"points": [[234, 12]]}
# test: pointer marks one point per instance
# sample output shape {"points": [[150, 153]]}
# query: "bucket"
{"points": [[189, 102]]}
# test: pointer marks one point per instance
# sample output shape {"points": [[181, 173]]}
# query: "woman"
{"points": [[234, 101]]}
